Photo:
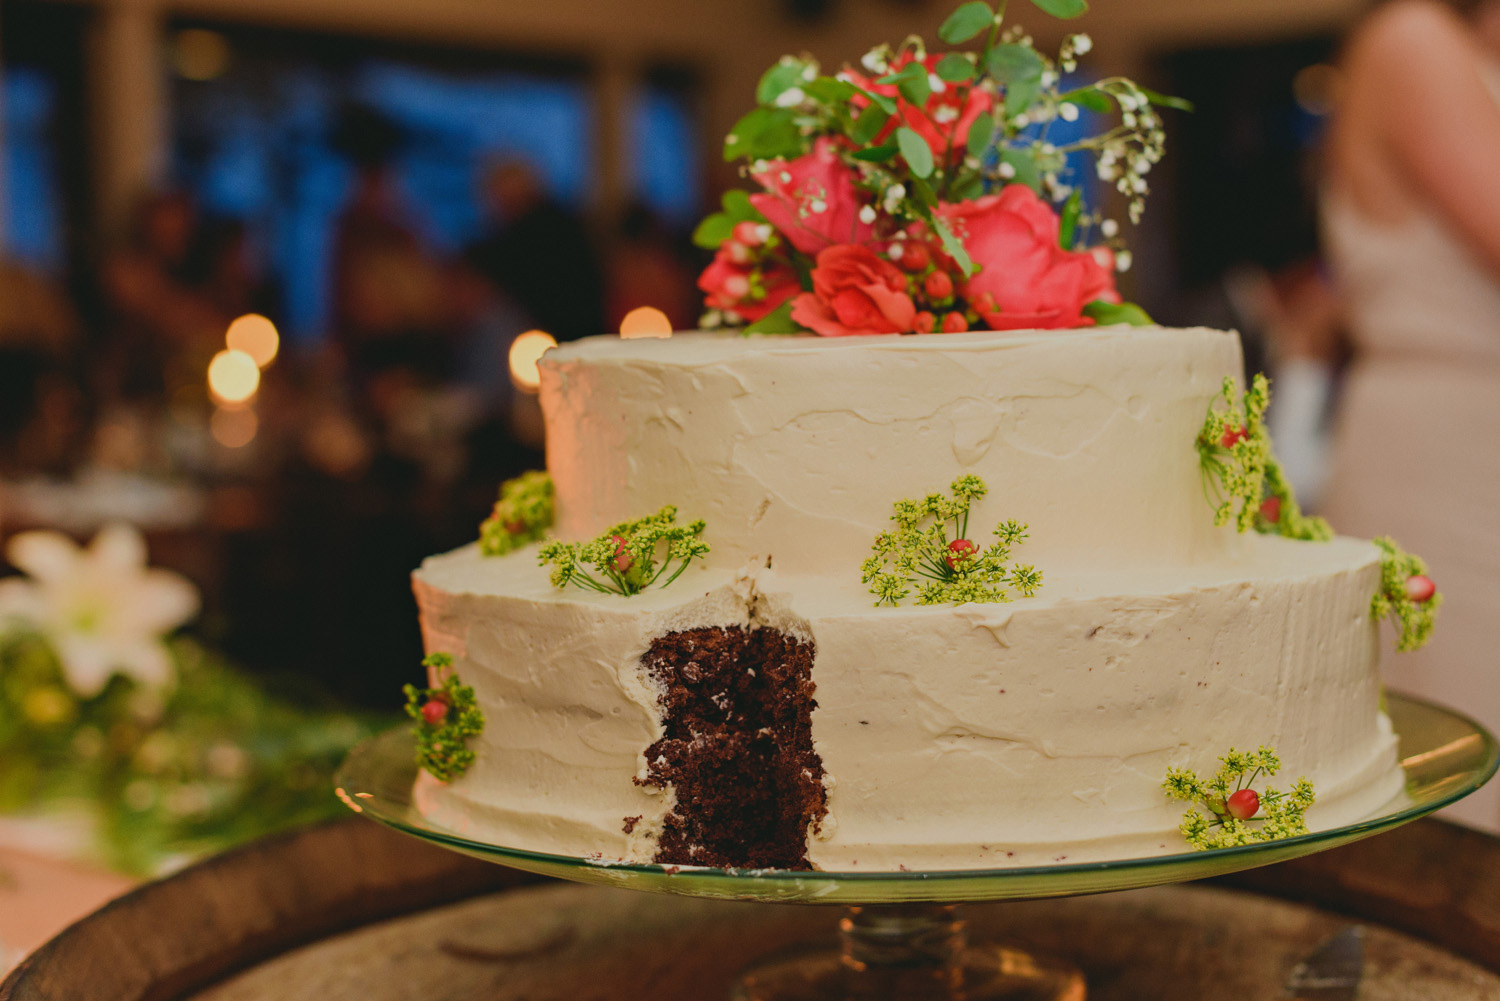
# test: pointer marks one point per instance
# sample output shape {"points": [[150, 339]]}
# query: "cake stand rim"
{"points": [[842, 887]]}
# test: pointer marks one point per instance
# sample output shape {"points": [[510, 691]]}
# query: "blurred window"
{"points": [[254, 139], [33, 225], [664, 144]]}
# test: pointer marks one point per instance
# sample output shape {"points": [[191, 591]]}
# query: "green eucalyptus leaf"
{"points": [[1065, 9], [869, 123], [912, 82], [1067, 227], [953, 246], [966, 22], [1167, 101], [829, 90], [1019, 68], [954, 68], [876, 154], [916, 151], [1108, 313], [777, 321], [1024, 165], [1090, 99], [969, 186], [923, 195], [886, 104], [713, 231], [778, 80], [765, 133], [981, 133], [737, 206]]}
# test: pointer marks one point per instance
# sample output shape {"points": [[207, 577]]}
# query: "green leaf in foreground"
{"points": [[1065, 9], [1109, 313], [916, 151], [966, 22]]}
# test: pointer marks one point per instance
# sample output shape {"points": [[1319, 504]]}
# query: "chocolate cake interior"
{"points": [[738, 747]]}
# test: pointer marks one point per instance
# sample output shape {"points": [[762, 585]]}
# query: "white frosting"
{"points": [[795, 447], [951, 736]]}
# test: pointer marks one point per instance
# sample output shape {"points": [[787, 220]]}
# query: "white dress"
{"points": [[1416, 450]]}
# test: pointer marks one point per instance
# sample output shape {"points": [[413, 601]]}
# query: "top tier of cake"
{"points": [[794, 448]]}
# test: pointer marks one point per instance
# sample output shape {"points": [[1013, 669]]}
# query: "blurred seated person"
{"points": [[388, 290], [647, 269], [1412, 222], [155, 318], [539, 254]]}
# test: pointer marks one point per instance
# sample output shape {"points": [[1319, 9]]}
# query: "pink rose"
{"points": [[812, 200], [752, 291], [945, 119], [1025, 280], [855, 292]]}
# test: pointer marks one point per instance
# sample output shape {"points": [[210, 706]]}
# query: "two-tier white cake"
{"points": [[950, 736]]}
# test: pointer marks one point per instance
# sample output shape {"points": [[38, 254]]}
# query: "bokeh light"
{"points": [[256, 336], [233, 427], [525, 352], [233, 376], [645, 321]]}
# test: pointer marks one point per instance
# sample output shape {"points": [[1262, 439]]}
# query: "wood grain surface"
{"points": [[350, 910]]}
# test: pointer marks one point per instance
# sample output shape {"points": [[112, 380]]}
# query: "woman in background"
{"points": [[1412, 225]]}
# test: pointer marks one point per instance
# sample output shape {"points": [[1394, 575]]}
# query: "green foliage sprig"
{"points": [[442, 739], [1413, 619], [629, 557], [522, 514], [1241, 477], [1281, 814], [955, 573], [158, 776]]}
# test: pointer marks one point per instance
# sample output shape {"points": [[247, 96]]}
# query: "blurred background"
{"points": [[373, 201]]}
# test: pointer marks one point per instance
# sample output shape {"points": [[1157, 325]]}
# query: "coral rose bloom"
{"points": [[855, 292], [1025, 279], [812, 200], [727, 285]]}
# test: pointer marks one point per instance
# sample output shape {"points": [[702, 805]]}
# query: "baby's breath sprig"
{"points": [[447, 716], [521, 515], [1407, 595], [1241, 477], [952, 571], [629, 557], [1237, 814]]}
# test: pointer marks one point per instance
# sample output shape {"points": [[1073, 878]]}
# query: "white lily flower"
{"points": [[102, 608]]}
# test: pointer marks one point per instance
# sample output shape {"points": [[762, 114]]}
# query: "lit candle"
{"points": [[645, 321]]}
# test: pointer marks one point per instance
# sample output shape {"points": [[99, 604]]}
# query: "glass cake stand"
{"points": [[901, 937]]}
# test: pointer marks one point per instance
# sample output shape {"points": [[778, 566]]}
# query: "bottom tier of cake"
{"points": [[759, 720]]}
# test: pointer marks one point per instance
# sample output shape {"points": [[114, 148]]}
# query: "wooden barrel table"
{"points": [[349, 911]]}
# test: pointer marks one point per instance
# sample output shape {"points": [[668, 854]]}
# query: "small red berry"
{"points": [[622, 560], [986, 303], [1420, 588], [938, 285], [747, 233], [736, 286], [1244, 804], [737, 251], [515, 527], [961, 550], [434, 712], [954, 323], [1270, 509], [925, 323], [1232, 436], [915, 257]]}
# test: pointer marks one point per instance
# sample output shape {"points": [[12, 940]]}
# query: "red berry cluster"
{"points": [[434, 711], [931, 286]]}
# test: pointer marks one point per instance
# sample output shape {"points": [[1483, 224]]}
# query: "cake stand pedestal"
{"points": [[901, 938], [911, 952]]}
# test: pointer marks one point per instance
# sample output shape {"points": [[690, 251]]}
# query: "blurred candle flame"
{"points": [[525, 352], [256, 336], [233, 377], [645, 321], [233, 428]]}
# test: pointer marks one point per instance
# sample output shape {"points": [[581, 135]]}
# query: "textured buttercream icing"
{"points": [[950, 736]]}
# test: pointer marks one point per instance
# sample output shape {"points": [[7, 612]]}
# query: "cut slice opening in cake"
{"points": [[737, 748]]}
